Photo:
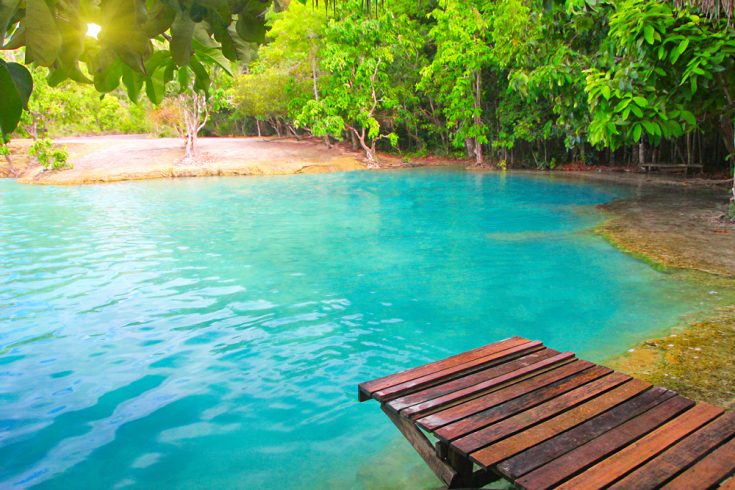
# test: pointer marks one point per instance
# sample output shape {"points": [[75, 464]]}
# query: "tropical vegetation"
{"points": [[506, 82]]}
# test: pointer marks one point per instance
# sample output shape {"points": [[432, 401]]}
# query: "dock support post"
{"points": [[442, 469]]}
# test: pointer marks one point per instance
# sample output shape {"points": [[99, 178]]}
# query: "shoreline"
{"points": [[105, 159], [677, 232], [669, 223]]}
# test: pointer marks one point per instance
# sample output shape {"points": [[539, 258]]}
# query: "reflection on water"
{"points": [[211, 332]]}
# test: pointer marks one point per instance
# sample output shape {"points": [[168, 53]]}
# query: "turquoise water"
{"points": [[211, 332]]}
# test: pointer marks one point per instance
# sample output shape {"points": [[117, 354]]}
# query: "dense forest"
{"points": [[511, 82], [508, 83]]}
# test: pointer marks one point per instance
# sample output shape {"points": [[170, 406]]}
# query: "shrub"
{"points": [[49, 157]]}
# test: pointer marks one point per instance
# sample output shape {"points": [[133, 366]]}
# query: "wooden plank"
{"points": [[465, 409], [714, 468], [685, 453], [477, 378], [421, 444], [627, 459], [484, 437], [728, 485], [435, 398], [485, 417], [455, 371], [367, 388], [588, 454], [541, 454], [532, 436]]}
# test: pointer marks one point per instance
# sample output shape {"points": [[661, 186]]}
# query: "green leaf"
{"points": [[637, 131], [43, 39], [679, 50], [56, 76], [159, 20], [133, 82], [108, 79], [201, 77], [7, 11], [182, 31], [622, 105], [648, 33], [651, 128], [22, 80], [636, 110], [155, 86], [688, 117], [640, 101], [123, 34], [11, 104], [182, 76], [251, 28], [605, 91], [212, 56], [18, 40]]}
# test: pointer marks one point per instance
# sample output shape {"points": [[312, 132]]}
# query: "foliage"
{"points": [[140, 44], [359, 96], [76, 109], [672, 69], [525, 82], [16, 86], [50, 157], [286, 73], [454, 77]]}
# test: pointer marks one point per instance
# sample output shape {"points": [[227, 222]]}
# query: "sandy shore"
{"points": [[99, 159]]}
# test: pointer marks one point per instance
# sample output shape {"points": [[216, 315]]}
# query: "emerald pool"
{"points": [[210, 333]]}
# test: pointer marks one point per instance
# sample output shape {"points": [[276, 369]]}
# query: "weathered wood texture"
{"points": [[544, 419]]}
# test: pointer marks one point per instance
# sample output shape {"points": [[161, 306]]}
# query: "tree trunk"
{"points": [[194, 106], [314, 78], [257, 123], [469, 145], [13, 171], [479, 159], [370, 156], [727, 130]]}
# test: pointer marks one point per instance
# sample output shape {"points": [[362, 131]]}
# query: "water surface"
{"points": [[211, 332]]}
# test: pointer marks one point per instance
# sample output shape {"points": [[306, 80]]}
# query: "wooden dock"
{"points": [[545, 419]]}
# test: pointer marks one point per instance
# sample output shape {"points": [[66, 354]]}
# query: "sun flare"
{"points": [[93, 30]]}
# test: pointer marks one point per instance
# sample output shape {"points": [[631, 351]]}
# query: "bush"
{"points": [[49, 157]]}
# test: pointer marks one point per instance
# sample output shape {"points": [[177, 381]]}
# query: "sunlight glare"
{"points": [[93, 30]]}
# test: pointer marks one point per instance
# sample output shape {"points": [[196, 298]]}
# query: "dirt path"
{"points": [[114, 158]]}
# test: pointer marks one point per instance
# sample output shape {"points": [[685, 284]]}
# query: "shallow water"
{"points": [[211, 332]]}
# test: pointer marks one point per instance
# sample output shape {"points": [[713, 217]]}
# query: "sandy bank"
{"points": [[675, 225], [669, 221], [99, 159]]}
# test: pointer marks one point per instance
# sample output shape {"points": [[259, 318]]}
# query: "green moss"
{"points": [[606, 233], [696, 360]]}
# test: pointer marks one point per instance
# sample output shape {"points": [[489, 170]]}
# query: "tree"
{"points": [[359, 96], [287, 72], [140, 43], [673, 72], [455, 75], [263, 96]]}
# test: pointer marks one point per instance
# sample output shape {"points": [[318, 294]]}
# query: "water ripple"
{"points": [[211, 332]]}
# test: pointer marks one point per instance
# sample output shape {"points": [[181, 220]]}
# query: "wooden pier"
{"points": [[545, 419]]}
